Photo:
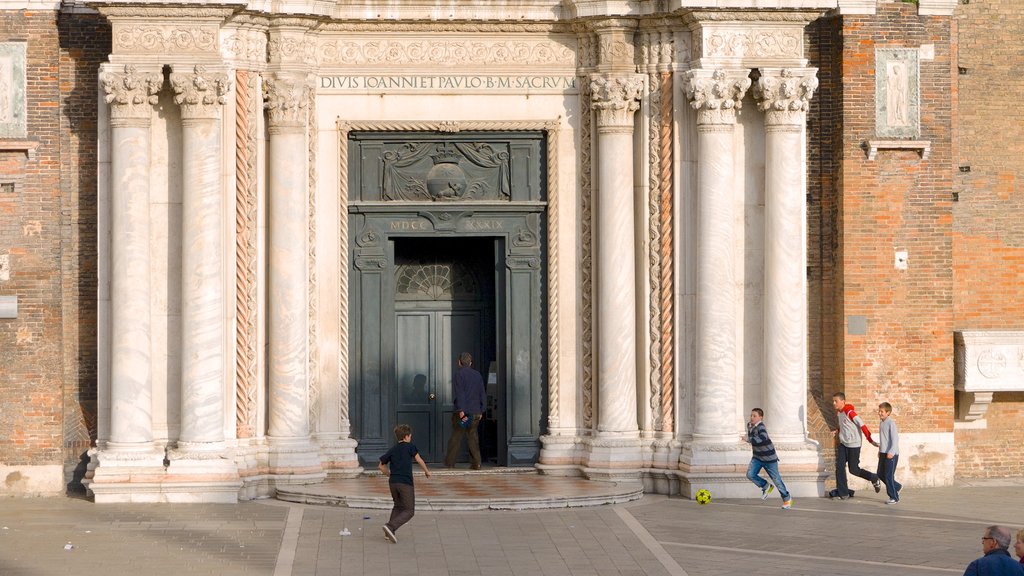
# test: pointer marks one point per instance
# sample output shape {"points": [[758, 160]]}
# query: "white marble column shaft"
{"points": [[616, 100], [716, 96], [287, 290], [201, 95], [131, 96], [783, 95]]}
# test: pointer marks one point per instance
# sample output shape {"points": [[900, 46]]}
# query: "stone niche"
{"points": [[986, 362]]}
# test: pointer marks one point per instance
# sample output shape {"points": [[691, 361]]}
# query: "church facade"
{"points": [[242, 241]]}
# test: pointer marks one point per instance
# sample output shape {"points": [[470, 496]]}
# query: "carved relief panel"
{"points": [[12, 90], [897, 93], [446, 168]]}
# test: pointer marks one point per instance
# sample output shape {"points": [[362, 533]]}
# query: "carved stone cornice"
{"points": [[373, 51], [449, 26], [163, 11], [616, 99], [716, 95], [200, 93], [133, 93], [286, 97], [783, 94], [798, 16]]}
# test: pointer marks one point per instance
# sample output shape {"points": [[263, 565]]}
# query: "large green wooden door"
{"points": [[427, 344]]}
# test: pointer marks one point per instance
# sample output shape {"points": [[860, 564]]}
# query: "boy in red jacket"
{"points": [[848, 448]]}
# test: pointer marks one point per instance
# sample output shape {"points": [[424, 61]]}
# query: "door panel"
{"points": [[414, 359]]}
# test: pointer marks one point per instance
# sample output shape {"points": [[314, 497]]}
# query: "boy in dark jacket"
{"points": [[764, 457], [400, 458]]}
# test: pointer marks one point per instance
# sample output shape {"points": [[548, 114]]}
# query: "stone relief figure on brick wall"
{"points": [[897, 91], [6, 94]]}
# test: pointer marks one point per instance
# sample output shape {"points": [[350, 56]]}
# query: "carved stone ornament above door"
{"points": [[446, 172]]}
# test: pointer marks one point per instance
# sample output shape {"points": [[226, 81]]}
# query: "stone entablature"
{"points": [[986, 361]]}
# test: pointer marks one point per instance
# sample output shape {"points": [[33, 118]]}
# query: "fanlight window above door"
{"points": [[454, 281]]}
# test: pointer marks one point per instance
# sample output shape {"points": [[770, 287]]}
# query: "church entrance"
{"points": [[447, 253], [444, 305]]}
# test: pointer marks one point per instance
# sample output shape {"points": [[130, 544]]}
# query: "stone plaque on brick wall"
{"points": [[12, 90], [897, 93]]}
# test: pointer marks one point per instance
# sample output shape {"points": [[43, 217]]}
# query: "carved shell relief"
{"points": [[452, 171], [435, 281]]}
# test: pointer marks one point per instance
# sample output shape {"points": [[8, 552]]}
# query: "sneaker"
{"points": [[878, 486], [389, 534], [838, 497], [767, 490], [787, 504], [893, 501]]}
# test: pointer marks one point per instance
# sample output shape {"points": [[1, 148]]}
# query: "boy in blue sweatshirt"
{"points": [[396, 464], [764, 457], [888, 452]]}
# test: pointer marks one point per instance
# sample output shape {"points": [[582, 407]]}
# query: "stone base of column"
{"points": [[125, 473], [338, 456], [202, 473], [293, 461], [560, 453], [613, 457], [251, 456], [722, 469], [662, 475]]}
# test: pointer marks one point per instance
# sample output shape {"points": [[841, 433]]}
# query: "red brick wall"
{"points": [[31, 346], [988, 218], [48, 227], [85, 43], [896, 202]]}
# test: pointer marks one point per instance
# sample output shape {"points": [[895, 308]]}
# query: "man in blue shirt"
{"points": [[468, 397], [996, 561]]}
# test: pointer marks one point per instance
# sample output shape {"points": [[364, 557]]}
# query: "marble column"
{"points": [[615, 99], [201, 95], [716, 96], [128, 456], [131, 96], [286, 96], [783, 95]]}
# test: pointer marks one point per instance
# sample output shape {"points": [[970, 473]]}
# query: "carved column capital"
{"points": [[200, 93], [131, 94], [286, 97], [716, 95], [783, 94], [615, 98]]}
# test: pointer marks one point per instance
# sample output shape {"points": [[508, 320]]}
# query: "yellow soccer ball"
{"points": [[703, 496]]}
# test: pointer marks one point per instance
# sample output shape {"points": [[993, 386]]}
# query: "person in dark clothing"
{"points": [[468, 397], [997, 560], [766, 458], [396, 464]]}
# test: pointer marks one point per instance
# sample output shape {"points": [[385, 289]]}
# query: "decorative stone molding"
{"points": [[131, 94], [246, 305], [372, 51], [783, 94], [873, 146], [151, 39], [716, 95], [246, 45], [286, 98], [986, 362], [616, 99], [201, 93], [289, 49], [936, 7], [434, 27]]}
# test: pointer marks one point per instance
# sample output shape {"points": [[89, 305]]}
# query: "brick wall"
{"points": [[870, 209], [47, 226], [988, 218], [31, 346], [84, 44]]}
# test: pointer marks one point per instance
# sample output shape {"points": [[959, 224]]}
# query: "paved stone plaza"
{"points": [[931, 532]]}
